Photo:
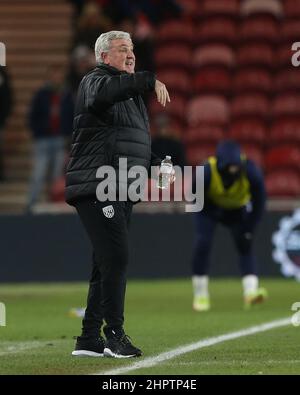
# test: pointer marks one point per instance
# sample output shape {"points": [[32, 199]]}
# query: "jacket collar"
{"points": [[110, 69]]}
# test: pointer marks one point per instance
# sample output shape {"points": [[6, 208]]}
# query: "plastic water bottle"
{"points": [[166, 168]]}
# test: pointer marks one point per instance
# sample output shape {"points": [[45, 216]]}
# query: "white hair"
{"points": [[103, 42]]}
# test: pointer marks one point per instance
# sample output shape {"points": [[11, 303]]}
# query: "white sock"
{"points": [[200, 285], [250, 284]]}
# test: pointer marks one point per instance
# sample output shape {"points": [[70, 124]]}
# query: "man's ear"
{"points": [[104, 57]]}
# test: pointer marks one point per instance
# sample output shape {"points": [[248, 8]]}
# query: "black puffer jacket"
{"points": [[110, 122]]}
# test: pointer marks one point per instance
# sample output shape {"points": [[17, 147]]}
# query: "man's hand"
{"points": [[172, 175], [161, 93], [172, 178]]}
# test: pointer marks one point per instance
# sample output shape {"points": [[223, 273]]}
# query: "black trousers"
{"points": [[106, 224]]}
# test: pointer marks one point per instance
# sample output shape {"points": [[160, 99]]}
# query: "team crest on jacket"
{"points": [[108, 211]]}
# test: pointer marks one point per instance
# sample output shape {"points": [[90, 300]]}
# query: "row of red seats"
{"points": [[213, 109], [250, 54], [249, 130], [235, 8], [231, 31], [215, 79], [276, 158]]}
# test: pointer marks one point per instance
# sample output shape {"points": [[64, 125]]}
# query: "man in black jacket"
{"points": [[110, 123]]}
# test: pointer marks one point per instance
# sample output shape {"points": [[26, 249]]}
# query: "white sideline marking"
{"points": [[11, 347], [15, 347], [152, 361]]}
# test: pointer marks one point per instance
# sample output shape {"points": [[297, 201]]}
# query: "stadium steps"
{"points": [[36, 33]]}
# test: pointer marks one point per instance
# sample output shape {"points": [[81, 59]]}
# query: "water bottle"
{"points": [[165, 173]]}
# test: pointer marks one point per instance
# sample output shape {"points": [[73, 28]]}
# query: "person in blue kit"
{"points": [[234, 195]]}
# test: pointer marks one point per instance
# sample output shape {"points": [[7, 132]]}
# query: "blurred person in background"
{"points": [[234, 197], [165, 140], [5, 110], [110, 123], [82, 61], [50, 120], [91, 22]]}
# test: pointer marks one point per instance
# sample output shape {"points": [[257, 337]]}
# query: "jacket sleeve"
{"points": [[107, 90]]}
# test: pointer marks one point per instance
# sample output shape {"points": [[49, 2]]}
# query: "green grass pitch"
{"points": [[38, 337]]}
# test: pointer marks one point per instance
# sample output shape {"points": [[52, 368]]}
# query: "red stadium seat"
{"points": [[176, 80], [290, 30], [253, 79], [177, 31], [217, 29], [286, 104], [204, 133], [221, 7], [291, 8], [173, 55], [248, 131], [190, 7], [212, 80], [287, 156], [176, 109], [288, 79], [272, 7], [261, 27], [197, 154], [259, 54], [283, 183], [254, 153], [284, 55], [214, 54], [212, 109], [285, 130], [250, 105]]}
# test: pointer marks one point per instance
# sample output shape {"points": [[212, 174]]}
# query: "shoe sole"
{"points": [[108, 353], [86, 353], [200, 309]]}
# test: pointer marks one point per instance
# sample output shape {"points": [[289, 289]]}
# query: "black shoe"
{"points": [[118, 345], [89, 347]]}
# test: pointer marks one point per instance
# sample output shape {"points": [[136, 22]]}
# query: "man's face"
{"points": [[120, 55]]}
